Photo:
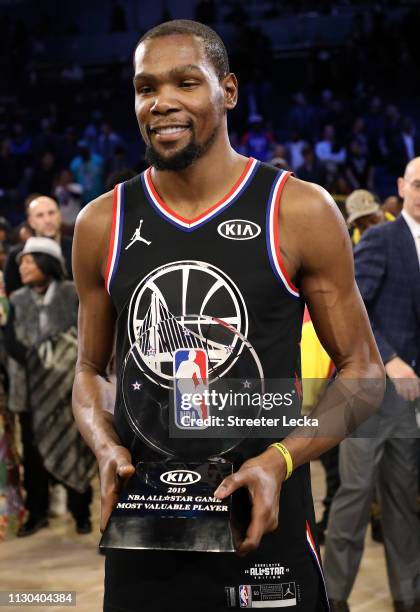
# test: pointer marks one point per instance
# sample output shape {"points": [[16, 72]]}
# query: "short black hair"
{"points": [[50, 266], [214, 47]]}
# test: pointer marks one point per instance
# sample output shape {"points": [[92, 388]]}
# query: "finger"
{"points": [[230, 484], [401, 389], [408, 389], [125, 470], [107, 505], [256, 529], [411, 390]]}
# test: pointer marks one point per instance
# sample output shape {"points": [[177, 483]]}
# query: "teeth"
{"points": [[170, 130]]}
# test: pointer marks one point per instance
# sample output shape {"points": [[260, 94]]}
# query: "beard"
{"points": [[181, 159]]}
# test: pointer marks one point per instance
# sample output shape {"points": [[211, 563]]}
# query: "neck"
{"points": [[57, 237], [40, 288], [195, 188], [411, 216]]}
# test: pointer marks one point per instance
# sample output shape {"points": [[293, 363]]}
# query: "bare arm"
{"points": [[325, 263], [315, 245], [91, 393]]}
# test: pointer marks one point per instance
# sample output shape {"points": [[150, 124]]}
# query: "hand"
{"points": [[406, 381], [114, 467], [263, 476]]}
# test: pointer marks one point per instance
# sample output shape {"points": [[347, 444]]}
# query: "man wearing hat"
{"points": [[363, 212]]}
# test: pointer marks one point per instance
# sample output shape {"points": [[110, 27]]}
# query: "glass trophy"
{"points": [[172, 379]]}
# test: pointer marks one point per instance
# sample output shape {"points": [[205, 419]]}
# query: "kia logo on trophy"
{"points": [[239, 229], [184, 477]]}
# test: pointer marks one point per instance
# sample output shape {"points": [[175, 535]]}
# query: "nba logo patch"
{"points": [[190, 374], [245, 599]]}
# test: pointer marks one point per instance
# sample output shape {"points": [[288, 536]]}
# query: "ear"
{"points": [[230, 88], [401, 187]]}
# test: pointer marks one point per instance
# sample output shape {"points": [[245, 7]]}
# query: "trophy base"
{"points": [[170, 506]]}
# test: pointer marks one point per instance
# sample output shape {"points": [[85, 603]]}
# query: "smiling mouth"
{"points": [[175, 129]]}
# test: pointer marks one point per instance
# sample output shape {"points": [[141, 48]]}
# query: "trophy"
{"points": [[175, 367]]}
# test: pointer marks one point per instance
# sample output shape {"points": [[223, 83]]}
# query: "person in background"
{"points": [[12, 511], [359, 171], [108, 143], [43, 175], [363, 212], [295, 148], [44, 217], [88, 170], [257, 141], [392, 205], [279, 162], [69, 195], [312, 169], [387, 270], [42, 315], [5, 233]]}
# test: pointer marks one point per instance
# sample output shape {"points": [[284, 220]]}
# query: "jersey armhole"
{"points": [[114, 247], [272, 235]]}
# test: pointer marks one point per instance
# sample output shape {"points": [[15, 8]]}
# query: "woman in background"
{"points": [[40, 339]]}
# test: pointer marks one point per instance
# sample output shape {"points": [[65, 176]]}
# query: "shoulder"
{"points": [[93, 228], [67, 288], [96, 217], [311, 228], [19, 296], [379, 234], [309, 205]]}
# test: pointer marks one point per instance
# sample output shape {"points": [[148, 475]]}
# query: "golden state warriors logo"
{"points": [[188, 306]]}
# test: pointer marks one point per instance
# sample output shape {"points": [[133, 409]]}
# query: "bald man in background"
{"points": [[387, 269], [44, 217]]}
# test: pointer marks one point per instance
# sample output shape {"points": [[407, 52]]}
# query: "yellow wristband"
{"points": [[286, 455]]}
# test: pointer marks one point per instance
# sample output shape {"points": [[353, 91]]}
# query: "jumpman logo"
{"points": [[289, 591], [137, 238]]}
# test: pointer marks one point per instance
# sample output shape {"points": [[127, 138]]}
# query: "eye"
{"points": [[144, 89], [188, 83]]}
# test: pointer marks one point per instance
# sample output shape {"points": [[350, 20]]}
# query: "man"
{"points": [[363, 212], [197, 182], [388, 275], [312, 169], [44, 217], [88, 170]]}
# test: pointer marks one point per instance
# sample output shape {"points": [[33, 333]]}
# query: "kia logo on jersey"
{"points": [[239, 229]]}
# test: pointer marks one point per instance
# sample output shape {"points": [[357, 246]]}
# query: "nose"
{"points": [[165, 102]]}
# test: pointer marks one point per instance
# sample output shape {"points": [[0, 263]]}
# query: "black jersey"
{"points": [[225, 265]]}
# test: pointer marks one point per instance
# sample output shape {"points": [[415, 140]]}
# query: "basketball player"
{"points": [[194, 202]]}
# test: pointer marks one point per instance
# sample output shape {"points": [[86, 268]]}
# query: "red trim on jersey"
{"points": [[208, 210], [112, 238], [308, 530], [276, 234]]}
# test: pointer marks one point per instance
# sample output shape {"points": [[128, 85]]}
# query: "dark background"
{"points": [[66, 70]]}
